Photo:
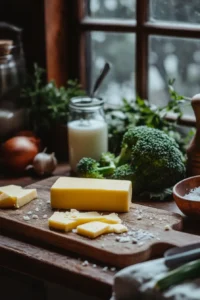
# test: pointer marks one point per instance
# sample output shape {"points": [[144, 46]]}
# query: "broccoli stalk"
{"points": [[107, 159], [89, 168]]}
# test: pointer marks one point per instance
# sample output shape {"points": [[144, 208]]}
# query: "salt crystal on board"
{"points": [[85, 263], [35, 217]]}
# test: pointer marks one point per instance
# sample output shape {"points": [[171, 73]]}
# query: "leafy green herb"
{"points": [[46, 102], [140, 112]]}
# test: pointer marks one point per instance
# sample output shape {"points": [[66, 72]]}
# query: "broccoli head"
{"points": [[155, 162], [89, 168], [131, 137]]}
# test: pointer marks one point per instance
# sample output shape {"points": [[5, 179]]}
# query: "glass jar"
{"points": [[87, 129]]}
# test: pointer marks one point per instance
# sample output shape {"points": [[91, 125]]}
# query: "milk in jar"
{"points": [[87, 130]]}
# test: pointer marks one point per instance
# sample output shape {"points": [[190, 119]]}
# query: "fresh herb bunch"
{"points": [[46, 102], [141, 112]]}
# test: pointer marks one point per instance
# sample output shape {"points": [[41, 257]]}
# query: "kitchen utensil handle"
{"points": [[11, 27], [100, 79], [182, 258]]}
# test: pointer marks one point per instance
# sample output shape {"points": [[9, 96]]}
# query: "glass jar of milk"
{"points": [[87, 129]]}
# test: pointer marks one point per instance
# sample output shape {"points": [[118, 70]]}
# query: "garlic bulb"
{"points": [[44, 164]]}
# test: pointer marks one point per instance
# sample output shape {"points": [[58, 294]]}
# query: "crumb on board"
{"points": [[35, 217], [113, 269], [85, 263], [167, 227]]}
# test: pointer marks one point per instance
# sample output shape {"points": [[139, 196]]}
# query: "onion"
{"points": [[18, 152], [31, 135]]}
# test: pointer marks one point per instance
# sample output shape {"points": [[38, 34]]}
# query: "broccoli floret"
{"points": [[131, 137], [124, 172], [89, 168], [107, 159], [154, 160]]}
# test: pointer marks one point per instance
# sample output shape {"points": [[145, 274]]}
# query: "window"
{"points": [[147, 43]]}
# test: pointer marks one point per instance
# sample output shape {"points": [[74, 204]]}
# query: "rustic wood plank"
{"points": [[104, 248], [59, 267]]}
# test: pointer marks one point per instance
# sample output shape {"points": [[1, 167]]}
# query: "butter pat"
{"points": [[117, 228], [61, 221], [92, 229], [15, 197], [95, 216], [7, 188], [70, 220], [91, 194]]}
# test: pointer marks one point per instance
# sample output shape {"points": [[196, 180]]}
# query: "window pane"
{"points": [[119, 50], [175, 10], [170, 58], [121, 9]]}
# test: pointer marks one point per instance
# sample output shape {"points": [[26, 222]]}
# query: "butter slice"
{"points": [[8, 188], [12, 197], [91, 194], [92, 229], [61, 221], [117, 228], [70, 220], [95, 216]]}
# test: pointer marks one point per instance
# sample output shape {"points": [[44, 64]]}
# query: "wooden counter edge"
{"points": [[54, 267]]}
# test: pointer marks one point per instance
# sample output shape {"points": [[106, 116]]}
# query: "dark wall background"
{"points": [[29, 15]]}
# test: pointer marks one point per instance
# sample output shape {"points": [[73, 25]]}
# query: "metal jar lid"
{"points": [[85, 103]]}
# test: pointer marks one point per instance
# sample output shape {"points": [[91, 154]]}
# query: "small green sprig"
{"points": [[46, 102]]}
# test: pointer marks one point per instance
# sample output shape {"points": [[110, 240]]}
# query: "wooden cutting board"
{"points": [[150, 228]]}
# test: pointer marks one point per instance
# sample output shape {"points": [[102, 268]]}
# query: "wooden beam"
{"points": [[142, 50], [115, 25], [56, 34], [172, 29]]}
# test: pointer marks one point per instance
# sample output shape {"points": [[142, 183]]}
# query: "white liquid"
{"points": [[86, 139]]}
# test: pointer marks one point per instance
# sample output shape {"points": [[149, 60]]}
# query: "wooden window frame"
{"points": [[66, 28]]}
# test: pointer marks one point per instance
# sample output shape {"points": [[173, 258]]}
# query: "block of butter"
{"points": [[91, 194], [70, 220], [12, 196]]}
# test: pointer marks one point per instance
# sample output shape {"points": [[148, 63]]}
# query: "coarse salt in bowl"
{"points": [[186, 194]]}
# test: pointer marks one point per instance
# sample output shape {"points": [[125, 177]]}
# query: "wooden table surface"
{"points": [[48, 263]]}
